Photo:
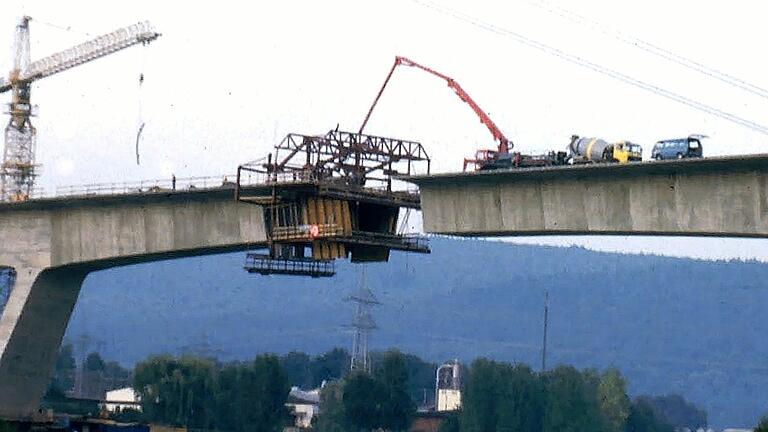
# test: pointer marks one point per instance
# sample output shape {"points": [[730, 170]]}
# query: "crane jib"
{"points": [[19, 167], [87, 51]]}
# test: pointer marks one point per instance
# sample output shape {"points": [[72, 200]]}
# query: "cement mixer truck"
{"points": [[596, 150]]}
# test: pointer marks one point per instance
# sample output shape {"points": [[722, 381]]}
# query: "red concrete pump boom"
{"points": [[504, 144]]}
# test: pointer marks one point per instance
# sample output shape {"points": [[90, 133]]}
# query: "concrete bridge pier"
{"points": [[54, 244], [32, 327]]}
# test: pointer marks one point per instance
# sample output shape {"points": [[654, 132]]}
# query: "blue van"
{"points": [[678, 148]]}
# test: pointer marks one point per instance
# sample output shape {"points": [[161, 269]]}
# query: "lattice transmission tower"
{"points": [[362, 325]]}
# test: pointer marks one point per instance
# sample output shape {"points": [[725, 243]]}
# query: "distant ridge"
{"points": [[671, 325]]}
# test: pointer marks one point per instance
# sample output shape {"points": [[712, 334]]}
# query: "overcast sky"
{"points": [[227, 80]]}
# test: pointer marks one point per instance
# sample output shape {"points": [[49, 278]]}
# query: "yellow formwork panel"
{"points": [[317, 250], [320, 205], [333, 250], [330, 217], [322, 211], [311, 211], [346, 219]]}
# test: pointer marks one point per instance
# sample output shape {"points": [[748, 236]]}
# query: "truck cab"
{"points": [[625, 151], [678, 148]]}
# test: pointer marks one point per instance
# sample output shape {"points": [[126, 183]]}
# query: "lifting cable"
{"points": [[141, 120], [594, 66]]}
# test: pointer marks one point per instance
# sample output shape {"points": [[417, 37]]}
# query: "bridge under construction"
{"points": [[331, 196], [316, 199]]}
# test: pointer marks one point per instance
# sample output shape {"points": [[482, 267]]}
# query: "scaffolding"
{"points": [[266, 265], [332, 196]]}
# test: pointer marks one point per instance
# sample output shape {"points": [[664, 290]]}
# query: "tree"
{"points": [[676, 411], [177, 391], [115, 376], [763, 425], [479, 398], [363, 399], [451, 423], [297, 368], [421, 375], [571, 402], [500, 396], [329, 366], [642, 419], [229, 396], [398, 409], [6, 426], [64, 372], [251, 397], [331, 418], [94, 362], [270, 388], [196, 393], [613, 399], [521, 400]]}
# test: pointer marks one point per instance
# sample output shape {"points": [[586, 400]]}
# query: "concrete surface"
{"points": [[724, 197], [54, 244]]}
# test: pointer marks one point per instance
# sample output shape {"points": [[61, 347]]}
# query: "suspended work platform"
{"points": [[266, 265], [333, 196]]}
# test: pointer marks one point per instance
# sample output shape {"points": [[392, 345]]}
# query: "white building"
{"points": [[120, 399], [304, 406], [448, 387]]}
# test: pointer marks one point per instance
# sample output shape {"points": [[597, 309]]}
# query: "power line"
{"points": [[652, 48], [595, 67]]}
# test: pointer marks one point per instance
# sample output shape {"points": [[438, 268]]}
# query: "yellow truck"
{"points": [[596, 150]]}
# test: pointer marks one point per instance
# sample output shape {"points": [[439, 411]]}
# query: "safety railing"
{"points": [[409, 242], [247, 178], [148, 186], [138, 187], [306, 232], [266, 265]]}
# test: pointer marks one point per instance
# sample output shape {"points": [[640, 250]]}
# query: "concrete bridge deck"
{"points": [[54, 243], [722, 196]]}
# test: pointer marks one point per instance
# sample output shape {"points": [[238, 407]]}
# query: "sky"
{"points": [[227, 80]]}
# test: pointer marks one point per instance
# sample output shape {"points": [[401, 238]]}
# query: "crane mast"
{"points": [[17, 172], [18, 169]]}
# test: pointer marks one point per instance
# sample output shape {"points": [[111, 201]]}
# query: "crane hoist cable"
{"points": [[141, 116], [138, 137]]}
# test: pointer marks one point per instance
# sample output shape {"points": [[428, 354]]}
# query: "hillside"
{"points": [[671, 325]]}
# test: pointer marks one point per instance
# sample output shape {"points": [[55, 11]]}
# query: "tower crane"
{"points": [[18, 169], [484, 159]]}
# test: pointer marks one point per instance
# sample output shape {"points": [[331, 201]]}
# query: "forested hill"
{"points": [[670, 325]]}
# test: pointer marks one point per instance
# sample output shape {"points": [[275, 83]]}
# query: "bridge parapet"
{"points": [[724, 197]]}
